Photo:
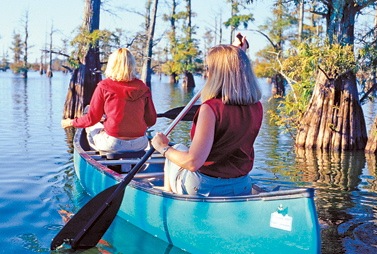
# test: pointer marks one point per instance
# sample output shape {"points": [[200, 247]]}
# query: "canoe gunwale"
{"points": [[267, 195]]}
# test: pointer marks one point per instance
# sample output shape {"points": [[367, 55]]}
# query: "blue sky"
{"points": [[66, 15]]}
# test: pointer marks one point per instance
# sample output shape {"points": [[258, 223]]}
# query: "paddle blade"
{"points": [[75, 232], [174, 112]]}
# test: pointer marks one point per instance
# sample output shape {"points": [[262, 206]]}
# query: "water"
{"points": [[38, 183]]}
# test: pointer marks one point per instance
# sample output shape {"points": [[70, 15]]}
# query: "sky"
{"points": [[66, 15]]}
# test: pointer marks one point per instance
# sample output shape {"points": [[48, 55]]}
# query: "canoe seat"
{"points": [[123, 155], [127, 159], [255, 189]]}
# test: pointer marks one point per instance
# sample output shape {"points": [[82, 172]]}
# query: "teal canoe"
{"points": [[269, 220]]}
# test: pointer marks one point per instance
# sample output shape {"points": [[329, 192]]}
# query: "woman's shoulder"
{"points": [[105, 82], [214, 101], [137, 81]]}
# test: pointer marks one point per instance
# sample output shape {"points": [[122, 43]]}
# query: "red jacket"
{"points": [[128, 107], [236, 128]]}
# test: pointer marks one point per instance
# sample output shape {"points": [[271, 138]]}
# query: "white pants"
{"points": [[99, 140]]}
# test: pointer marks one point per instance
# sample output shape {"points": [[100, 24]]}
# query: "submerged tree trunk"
{"points": [[173, 40], [49, 67], [26, 46], [173, 78], [277, 84], [41, 70], [334, 119], [74, 105], [188, 80], [85, 78]]}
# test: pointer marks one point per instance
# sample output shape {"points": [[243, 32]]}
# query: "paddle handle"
{"points": [[182, 113]]}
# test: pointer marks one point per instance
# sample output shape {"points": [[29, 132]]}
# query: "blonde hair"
{"points": [[121, 65], [230, 77]]}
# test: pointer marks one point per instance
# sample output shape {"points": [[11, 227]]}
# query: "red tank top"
{"points": [[236, 128]]}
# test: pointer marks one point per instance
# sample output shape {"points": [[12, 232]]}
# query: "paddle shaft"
{"points": [[123, 184], [182, 113]]}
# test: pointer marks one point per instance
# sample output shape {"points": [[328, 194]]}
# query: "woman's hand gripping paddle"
{"points": [[88, 225]]}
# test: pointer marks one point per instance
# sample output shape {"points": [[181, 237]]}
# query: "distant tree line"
{"points": [[176, 51]]}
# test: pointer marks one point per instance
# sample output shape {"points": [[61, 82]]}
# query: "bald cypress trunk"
{"points": [[173, 78], [188, 80], [334, 119], [277, 85], [85, 78]]}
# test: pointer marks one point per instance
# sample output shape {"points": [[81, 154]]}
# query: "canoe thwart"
{"points": [[123, 155], [131, 161]]}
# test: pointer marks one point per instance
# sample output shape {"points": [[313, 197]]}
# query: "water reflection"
{"points": [[343, 213], [370, 180], [20, 100], [273, 147], [331, 169]]}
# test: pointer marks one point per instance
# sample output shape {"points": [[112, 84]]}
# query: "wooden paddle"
{"points": [[88, 225], [172, 113]]}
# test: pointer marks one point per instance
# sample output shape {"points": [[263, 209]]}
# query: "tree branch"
{"points": [[55, 52], [328, 78], [365, 96], [266, 36]]}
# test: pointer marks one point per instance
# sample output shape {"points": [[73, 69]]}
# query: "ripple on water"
{"points": [[30, 242]]}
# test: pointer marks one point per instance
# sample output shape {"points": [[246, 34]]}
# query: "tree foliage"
{"points": [[237, 18], [300, 70], [183, 49], [85, 39], [18, 52]]}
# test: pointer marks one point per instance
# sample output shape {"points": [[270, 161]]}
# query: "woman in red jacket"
{"points": [[223, 133], [126, 104]]}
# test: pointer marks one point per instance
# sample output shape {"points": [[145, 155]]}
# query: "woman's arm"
{"points": [[200, 147], [94, 115], [150, 114], [241, 42]]}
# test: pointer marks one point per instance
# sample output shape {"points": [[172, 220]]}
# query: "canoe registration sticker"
{"points": [[280, 221]]}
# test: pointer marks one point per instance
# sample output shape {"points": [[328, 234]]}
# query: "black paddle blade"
{"points": [[75, 232], [174, 112]]}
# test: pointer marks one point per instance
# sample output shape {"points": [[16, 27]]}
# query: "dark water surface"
{"points": [[38, 185]]}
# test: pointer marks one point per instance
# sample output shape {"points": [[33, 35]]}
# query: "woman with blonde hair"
{"points": [[126, 104], [221, 153]]}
